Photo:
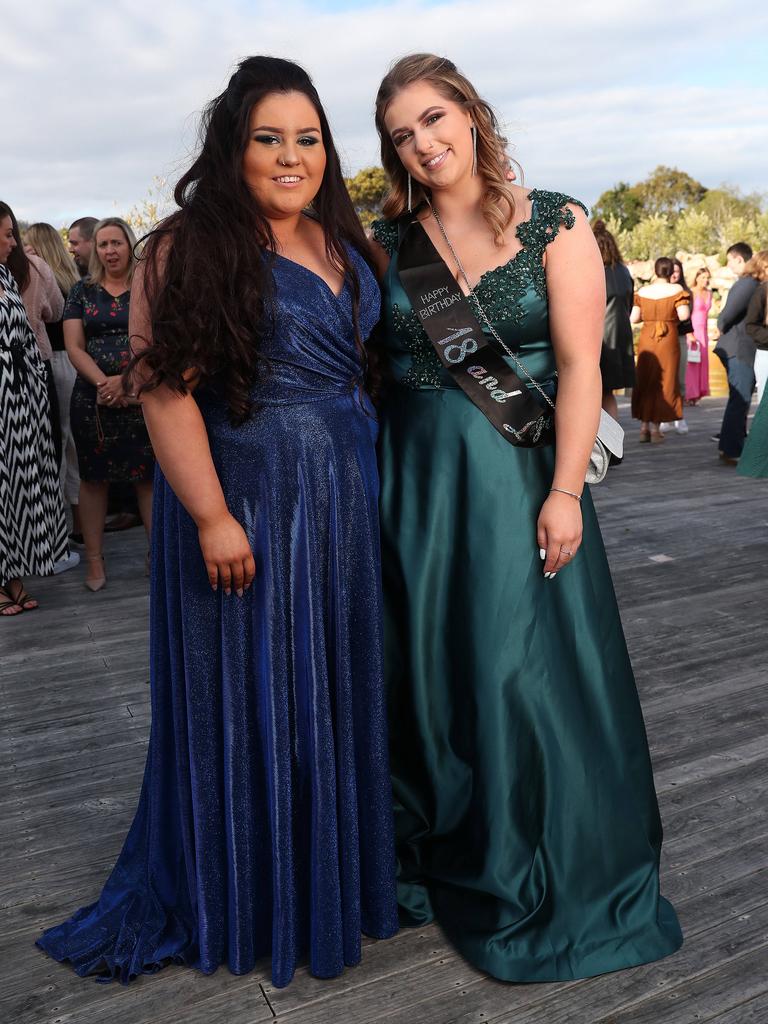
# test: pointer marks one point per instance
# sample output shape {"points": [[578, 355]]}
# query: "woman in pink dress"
{"points": [[697, 370]]}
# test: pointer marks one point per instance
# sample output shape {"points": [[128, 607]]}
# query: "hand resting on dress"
{"points": [[227, 554]]}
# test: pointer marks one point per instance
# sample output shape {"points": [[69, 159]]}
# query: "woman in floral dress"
{"points": [[108, 426]]}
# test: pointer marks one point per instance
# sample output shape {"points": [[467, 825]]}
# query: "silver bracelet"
{"points": [[560, 490]]}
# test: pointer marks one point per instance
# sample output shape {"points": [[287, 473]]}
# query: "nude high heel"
{"points": [[100, 581]]}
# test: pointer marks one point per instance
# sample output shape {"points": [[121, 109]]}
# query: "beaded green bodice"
{"points": [[514, 296]]}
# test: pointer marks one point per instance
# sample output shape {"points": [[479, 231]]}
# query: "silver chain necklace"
{"points": [[484, 315]]}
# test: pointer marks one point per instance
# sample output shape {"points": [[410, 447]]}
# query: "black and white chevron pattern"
{"points": [[33, 528]]}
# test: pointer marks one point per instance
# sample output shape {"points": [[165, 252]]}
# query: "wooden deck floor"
{"points": [[688, 543]]}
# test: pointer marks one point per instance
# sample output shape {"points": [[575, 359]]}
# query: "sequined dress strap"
{"points": [[385, 233]]}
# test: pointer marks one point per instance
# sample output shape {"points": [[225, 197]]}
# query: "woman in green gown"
{"points": [[754, 457], [526, 815]]}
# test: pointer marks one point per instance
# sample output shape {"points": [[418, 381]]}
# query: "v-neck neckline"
{"points": [[314, 274], [532, 195], [106, 291]]}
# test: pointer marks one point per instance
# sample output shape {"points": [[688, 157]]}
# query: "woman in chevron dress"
{"points": [[33, 530]]}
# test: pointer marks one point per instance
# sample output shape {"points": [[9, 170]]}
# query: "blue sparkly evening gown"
{"points": [[265, 819]]}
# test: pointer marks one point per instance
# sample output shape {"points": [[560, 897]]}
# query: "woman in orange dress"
{"points": [[660, 307]]}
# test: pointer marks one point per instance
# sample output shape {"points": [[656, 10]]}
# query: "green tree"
{"points": [[367, 190], [651, 238], [734, 217], [740, 229], [694, 231], [622, 237], [726, 201], [622, 204], [668, 190], [155, 205]]}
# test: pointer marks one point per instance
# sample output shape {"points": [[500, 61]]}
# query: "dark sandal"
{"points": [[8, 603], [23, 599]]}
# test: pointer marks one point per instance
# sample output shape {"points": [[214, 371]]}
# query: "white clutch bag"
{"points": [[609, 441]]}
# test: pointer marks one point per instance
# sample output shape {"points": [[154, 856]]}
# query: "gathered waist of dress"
{"points": [[275, 394], [272, 391]]}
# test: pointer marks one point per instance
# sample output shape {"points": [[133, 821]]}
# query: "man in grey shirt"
{"points": [[737, 351]]}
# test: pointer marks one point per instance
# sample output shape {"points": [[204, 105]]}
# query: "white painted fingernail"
{"points": [[542, 554], [552, 575]]}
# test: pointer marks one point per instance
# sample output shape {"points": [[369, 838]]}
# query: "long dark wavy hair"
{"points": [[18, 261], [682, 282], [208, 285], [607, 244]]}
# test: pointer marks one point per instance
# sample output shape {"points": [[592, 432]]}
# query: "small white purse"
{"points": [[609, 441]]}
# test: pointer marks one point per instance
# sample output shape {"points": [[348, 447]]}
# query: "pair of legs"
{"points": [[93, 515], [650, 431], [741, 383], [610, 404]]}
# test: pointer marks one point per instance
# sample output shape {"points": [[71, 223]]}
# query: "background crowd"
{"points": [[668, 367], [70, 433], [73, 440]]}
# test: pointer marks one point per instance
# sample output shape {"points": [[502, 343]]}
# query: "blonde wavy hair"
{"points": [[96, 271], [49, 246], [704, 269], [757, 267], [492, 160]]}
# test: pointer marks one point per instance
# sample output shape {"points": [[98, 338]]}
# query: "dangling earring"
{"points": [[474, 149], [410, 193]]}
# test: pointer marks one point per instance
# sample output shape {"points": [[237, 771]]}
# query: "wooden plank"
{"points": [[711, 872], [682, 852], [753, 1011], [77, 765], [720, 808], [565, 1002], [704, 767], [705, 995]]}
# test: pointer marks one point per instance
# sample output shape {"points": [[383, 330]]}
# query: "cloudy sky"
{"points": [[99, 100]]}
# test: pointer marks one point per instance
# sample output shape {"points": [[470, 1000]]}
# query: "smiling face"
{"points": [[703, 278], [113, 250], [284, 161], [676, 274], [432, 136], [7, 240]]}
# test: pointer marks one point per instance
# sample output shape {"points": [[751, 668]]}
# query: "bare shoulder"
{"points": [[573, 236], [523, 203]]}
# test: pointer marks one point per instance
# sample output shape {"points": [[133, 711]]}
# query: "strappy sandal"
{"points": [[8, 603], [21, 598]]}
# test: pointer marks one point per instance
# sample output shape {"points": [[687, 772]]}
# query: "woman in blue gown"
{"points": [[265, 821], [525, 813]]}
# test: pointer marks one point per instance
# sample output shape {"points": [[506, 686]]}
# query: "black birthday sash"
{"points": [[461, 346]]}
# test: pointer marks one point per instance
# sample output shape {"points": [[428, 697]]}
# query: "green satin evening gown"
{"points": [[754, 456], [526, 816]]}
